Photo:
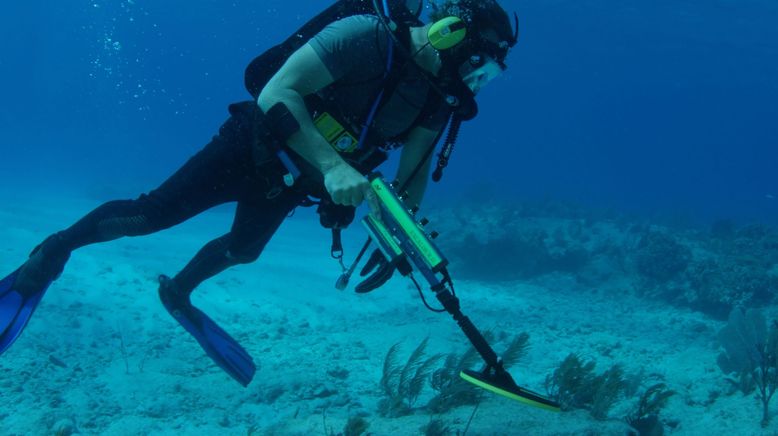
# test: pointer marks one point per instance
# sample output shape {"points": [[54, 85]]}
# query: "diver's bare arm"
{"points": [[304, 73], [418, 143]]}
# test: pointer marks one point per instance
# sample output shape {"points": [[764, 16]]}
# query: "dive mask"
{"points": [[479, 71]]}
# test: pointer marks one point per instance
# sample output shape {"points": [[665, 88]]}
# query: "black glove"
{"points": [[381, 273]]}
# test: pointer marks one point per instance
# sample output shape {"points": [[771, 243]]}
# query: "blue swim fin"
{"points": [[16, 308], [223, 349]]}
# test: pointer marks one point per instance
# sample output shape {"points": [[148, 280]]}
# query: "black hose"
{"points": [[448, 147]]}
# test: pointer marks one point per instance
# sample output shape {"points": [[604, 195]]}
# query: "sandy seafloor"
{"points": [[101, 356]]}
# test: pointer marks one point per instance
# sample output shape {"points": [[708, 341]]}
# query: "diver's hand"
{"points": [[381, 271], [347, 187]]}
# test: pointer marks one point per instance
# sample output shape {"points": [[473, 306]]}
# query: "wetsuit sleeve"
{"points": [[353, 46]]}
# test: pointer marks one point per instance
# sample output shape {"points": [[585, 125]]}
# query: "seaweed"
{"points": [[451, 390], [402, 384], [751, 351], [575, 385], [568, 380], [516, 350], [606, 390], [436, 427], [645, 416], [355, 426]]}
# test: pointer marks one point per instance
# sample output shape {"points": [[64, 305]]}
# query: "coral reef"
{"points": [[659, 257], [718, 284], [737, 269], [711, 270], [504, 244]]}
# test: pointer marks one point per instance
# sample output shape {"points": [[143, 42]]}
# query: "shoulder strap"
{"points": [[392, 76], [392, 80]]}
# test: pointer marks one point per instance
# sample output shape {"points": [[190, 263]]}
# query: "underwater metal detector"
{"points": [[406, 245]]}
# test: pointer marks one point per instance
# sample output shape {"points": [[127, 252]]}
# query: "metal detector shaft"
{"points": [[399, 235], [405, 243], [451, 303]]}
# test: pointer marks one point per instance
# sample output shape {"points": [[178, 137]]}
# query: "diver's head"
{"points": [[473, 38]]}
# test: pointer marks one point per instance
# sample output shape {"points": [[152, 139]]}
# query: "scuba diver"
{"points": [[357, 81]]}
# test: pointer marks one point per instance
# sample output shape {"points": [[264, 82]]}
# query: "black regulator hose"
{"points": [[448, 147]]}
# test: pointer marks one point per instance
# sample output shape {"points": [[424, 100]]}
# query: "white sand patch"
{"points": [[102, 352]]}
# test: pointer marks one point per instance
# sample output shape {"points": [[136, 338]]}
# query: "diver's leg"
{"points": [[223, 171], [255, 223], [213, 176], [256, 220], [185, 194]]}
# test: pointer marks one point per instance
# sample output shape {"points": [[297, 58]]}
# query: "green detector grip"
{"points": [[383, 238], [400, 216]]}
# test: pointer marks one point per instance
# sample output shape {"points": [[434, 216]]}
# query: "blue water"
{"points": [[664, 107]]}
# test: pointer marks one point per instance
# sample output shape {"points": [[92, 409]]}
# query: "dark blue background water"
{"points": [[665, 107]]}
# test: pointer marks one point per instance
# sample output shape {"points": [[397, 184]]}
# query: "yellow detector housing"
{"points": [[508, 389]]}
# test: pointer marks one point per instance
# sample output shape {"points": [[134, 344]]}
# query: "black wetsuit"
{"points": [[237, 167]]}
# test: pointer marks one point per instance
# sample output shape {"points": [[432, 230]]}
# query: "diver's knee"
{"points": [[243, 256]]}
